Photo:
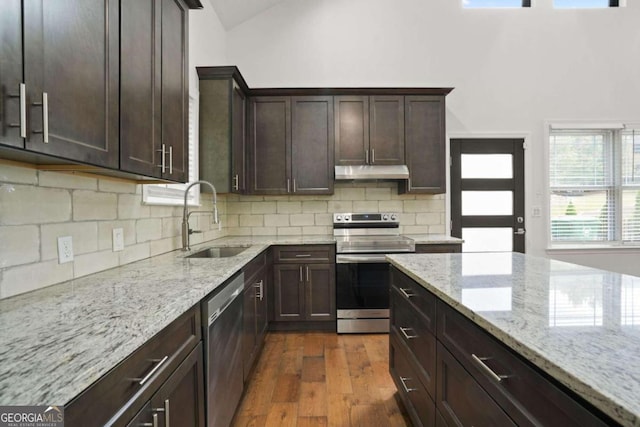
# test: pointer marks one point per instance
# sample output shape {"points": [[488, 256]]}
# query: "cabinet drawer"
{"points": [[254, 267], [423, 300], [411, 329], [525, 393], [461, 401], [305, 254], [122, 388], [416, 400]]}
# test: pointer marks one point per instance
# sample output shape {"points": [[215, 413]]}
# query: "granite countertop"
{"points": [[57, 341], [580, 325], [433, 239]]}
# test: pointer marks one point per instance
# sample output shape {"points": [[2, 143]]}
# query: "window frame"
{"points": [[616, 129], [525, 3], [612, 3]]}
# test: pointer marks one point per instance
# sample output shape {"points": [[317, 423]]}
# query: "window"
{"points": [[474, 4], [584, 4], [173, 194], [594, 185]]}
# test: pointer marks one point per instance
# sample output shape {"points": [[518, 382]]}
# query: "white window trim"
{"points": [[173, 194], [577, 248]]}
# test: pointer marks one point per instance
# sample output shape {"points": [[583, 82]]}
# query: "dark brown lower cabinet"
{"points": [[425, 328], [255, 318], [304, 292], [179, 401], [413, 393], [461, 401]]}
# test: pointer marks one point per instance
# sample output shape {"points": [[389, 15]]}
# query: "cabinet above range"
{"points": [[300, 140]]}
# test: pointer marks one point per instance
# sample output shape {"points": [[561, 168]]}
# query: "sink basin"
{"points": [[221, 252]]}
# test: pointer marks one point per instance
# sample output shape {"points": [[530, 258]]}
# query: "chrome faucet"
{"points": [[186, 231]]}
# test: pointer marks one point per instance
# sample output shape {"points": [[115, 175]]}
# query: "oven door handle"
{"points": [[361, 259]]}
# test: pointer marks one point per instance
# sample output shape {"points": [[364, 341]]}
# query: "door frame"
{"points": [[523, 135]]}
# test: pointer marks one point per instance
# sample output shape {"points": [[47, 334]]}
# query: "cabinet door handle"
{"points": [[258, 286], [23, 110], [303, 255], [162, 164], [143, 380], [404, 385], [366, 156], [155, 420], [236, 182], [170, 159], [22, 96], [407, 294], [45, 117], [294, 185], [166, 411], [487, 369], [373, 155], [307, 267], [288, 185], [407, 336], [301, 279]]}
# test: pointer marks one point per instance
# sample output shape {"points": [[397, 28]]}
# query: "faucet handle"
{"points": [[194, 231]]}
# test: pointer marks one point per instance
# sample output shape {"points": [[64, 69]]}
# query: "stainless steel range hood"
{"points": [[372, 172]]}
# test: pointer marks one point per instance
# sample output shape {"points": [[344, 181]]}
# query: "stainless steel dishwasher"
{"points": [[222, 327]]}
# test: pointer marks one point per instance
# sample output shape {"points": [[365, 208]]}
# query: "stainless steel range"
{"points": [[362, 273]]}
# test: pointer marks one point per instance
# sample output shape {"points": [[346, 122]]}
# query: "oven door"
{"points": [[362, 283]]}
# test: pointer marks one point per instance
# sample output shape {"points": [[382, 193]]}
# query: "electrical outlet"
{"points": [[65, 249], [118, 239]]}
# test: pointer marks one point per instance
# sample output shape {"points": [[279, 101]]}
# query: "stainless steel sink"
{"points": [[219, 252]]}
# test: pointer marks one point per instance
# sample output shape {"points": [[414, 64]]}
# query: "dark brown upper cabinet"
{"points": [[11, 124], [291, 144], [425, 144], [369, 130], [269, 168], [154, 92], [71, 74], [312, 144], [223, 102]]}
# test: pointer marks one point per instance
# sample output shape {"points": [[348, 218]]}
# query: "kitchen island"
{"points": [[578, 325]]}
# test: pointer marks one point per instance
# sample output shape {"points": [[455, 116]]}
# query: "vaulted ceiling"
{"points": [[234, 12]]}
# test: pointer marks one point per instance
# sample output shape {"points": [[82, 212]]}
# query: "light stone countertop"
{"points": [[56, 341], [580, 325]]}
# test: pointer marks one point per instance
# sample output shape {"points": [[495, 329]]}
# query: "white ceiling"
{"points": [[234, 12]]}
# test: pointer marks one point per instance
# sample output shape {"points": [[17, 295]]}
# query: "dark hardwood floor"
{"points": [[322, 379]]}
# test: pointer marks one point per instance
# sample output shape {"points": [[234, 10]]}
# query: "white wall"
{"points": [[511, 69], [207, 41]]}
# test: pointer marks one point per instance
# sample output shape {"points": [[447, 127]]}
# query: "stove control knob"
{"points": [[385, 217], [394, 217], [347, 218], [338, 218]]}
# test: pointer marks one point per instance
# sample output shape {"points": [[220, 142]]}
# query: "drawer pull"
{"points": [[155, 420], [487, 369], [407, 336], [303, 255], [165, 409], [143, 380], [404, 385], [408, 294]]}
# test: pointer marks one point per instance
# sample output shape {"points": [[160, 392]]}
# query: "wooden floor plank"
{"points": [[314, 344], [287, 388], [337, 371], [313, 369], [312, 422], [313, 400], [282, 415]]}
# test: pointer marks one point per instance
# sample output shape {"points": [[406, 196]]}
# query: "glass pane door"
{"points": [[487, 194]]}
